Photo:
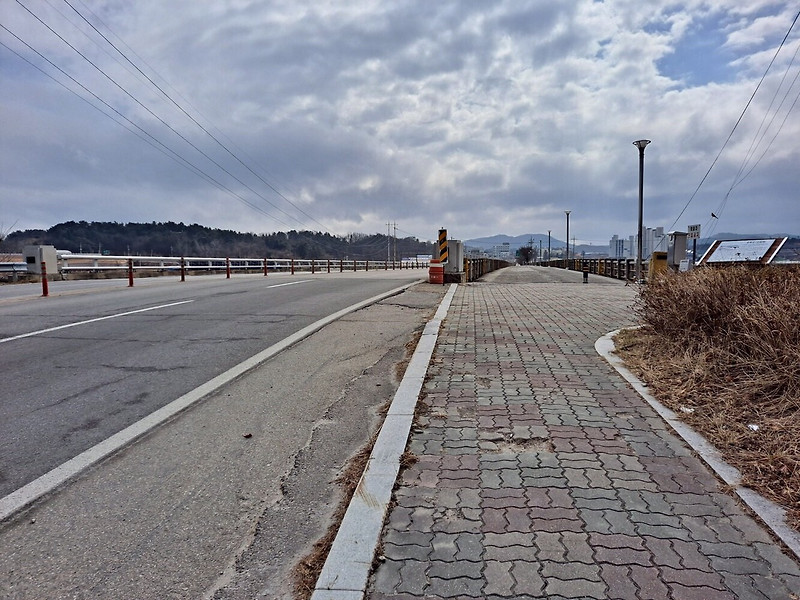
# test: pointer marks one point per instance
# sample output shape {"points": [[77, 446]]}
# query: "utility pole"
{"points": [[548, 247], [395, 241], [388, 242]]}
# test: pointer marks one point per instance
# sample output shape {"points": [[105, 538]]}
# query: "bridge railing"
{"points": [[618, 268], [93, 264], [475, 268]]}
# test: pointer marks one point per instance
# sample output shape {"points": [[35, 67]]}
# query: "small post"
{"points": [[312, 266], [366, 265], [292, 266], [265, 266], [329, 265], [130, 272], [45, 288], [183, 269], [341, 265], [227, 268]]}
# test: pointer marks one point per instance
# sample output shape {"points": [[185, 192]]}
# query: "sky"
{"points": [[483, 117]]}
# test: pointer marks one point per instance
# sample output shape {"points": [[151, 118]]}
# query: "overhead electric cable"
{"points": [[772, 141], [739, 177], [739, 120], [167, 125], [186, 101], [762, 131], [208, 133], [189, 165]]}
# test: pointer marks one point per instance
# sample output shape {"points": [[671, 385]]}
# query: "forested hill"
{"points": [[177, 239]]}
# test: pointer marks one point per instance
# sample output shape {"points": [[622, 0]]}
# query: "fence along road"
{"points": [[84, 364]]}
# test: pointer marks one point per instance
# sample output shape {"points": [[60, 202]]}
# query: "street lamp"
{"points": [[548, 247], [640, 144], [567, 213]]}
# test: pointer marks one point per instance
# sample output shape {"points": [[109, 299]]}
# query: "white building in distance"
{"points": [[653, 240]]}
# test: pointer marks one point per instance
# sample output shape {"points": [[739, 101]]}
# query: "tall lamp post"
{"points": [[567, 213], [640, 144], [548, 247]]}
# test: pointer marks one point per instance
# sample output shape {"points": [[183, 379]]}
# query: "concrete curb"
{"points": [[346, 570], [47, 483], [770, 513]]}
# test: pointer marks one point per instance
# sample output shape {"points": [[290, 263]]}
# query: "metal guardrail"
{"points": [[96, 263], [13, 267], [13, 271], [617, 268], [475, 268]]}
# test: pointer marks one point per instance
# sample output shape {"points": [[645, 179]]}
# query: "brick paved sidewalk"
{"points": [[541, 474]]}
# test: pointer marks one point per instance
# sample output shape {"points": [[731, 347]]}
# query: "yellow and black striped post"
{"points": [[443, 245]]}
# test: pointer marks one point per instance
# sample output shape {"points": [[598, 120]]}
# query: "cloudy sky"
{"points": [[482, 116]]}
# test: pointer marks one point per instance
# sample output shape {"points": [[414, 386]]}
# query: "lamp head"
{"points": [[640, 144], [567, 212]]}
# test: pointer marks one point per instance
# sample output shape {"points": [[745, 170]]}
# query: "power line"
{"points": [[166, 149], [759, 135], [739, 120], [162, 121], [208, 133], [739, 179], [177, 92]]}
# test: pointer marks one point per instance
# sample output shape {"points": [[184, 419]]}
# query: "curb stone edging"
{"points": [[346, 571], [773, 516]]}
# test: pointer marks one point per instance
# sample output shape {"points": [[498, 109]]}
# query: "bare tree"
{"points": [[4, 231]]}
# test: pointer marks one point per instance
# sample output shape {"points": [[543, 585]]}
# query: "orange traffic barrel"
{"points": [[436, 272]]}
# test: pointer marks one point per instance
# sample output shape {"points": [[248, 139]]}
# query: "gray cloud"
{"points": [[494, 116]]}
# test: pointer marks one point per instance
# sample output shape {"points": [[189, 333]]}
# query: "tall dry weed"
{"points": [[722, 347]]}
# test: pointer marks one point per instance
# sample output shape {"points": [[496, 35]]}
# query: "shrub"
{"points": [[721, 346]]}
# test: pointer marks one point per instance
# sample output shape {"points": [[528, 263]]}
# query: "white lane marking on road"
{"points": [[56, 477], [269, 287], [68, 325]]}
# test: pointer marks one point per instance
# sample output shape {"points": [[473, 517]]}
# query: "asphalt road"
{"points": [[226, 498], [99, 356]]}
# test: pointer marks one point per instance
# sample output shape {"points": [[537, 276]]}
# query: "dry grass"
{"points": [[721, 347], [306, 572]]}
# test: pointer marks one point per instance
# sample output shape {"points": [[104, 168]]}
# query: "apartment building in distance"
{"points": [[653, 240]]}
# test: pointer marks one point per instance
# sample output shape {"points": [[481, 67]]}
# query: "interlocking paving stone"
{"points": [[542, 474], [498, 578]]}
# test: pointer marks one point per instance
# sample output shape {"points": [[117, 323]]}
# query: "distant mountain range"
{"points": [[515, 242], [520, 241], [177, 239]]}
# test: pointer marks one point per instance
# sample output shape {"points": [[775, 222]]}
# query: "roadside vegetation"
{"points": [[177, 239], [721, 347]]}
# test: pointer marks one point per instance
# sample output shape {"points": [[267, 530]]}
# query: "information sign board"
{"points": [[741, 251], [693, 232]]}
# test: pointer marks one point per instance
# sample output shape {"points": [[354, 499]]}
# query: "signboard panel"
{"points": [[740, 251], [693, 232]]}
